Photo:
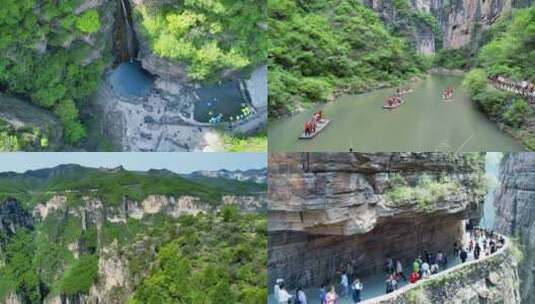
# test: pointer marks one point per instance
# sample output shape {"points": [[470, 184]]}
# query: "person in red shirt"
{"points": [[414, 277]]}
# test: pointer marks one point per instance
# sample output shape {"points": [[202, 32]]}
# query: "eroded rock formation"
{"points": [[459, 22], [515, 212], [330, 212]]}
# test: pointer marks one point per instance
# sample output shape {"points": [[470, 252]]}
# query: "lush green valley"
{"points": [[75, 245], [322, 47]]}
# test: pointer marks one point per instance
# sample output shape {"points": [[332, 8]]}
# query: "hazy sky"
{"points": [[178, 162]]}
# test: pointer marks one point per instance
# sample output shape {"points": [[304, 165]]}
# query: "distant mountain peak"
{"points": [[251, 175]]}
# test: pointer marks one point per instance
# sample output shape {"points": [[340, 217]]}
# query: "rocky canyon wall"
{"points": [[116, 280], [515, 213], [330, 212], [459, 23]]}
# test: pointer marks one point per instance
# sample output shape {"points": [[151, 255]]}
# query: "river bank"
{"points": [[424, 123]]}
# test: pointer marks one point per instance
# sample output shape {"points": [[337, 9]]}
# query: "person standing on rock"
{"points": [[456, 249], [344, 283], [463, 255], [357, 289], [331, 296]]}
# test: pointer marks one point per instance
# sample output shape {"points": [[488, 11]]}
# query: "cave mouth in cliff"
{"points": [[225, 101], [130, 79]]}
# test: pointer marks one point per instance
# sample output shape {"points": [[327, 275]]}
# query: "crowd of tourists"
{"points": [[480, 243], [310, 125], [524, 88]]}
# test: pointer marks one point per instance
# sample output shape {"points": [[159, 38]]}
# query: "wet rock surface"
{"points": [[515, 212]]}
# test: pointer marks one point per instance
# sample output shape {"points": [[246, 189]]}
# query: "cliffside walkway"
{"points": [[513, 87], [374, 285]]}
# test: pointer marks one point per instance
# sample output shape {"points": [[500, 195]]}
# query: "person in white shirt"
{"points": [[344, 282], [357, 289], [276, 289], [284, 296]]}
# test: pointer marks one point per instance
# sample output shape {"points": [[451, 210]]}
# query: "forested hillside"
{"points": [[510, 53], [43, 56], [320, 47], [208, 36], [87, 235], [57, 55]]}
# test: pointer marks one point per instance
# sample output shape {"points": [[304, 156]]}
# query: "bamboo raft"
{"points": [[393, 106], [319, 127]]}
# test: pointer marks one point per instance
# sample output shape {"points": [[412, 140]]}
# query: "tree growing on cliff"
{"points": [[89, 21]]}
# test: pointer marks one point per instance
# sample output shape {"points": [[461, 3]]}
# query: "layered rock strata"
{"points": [[458, 23], [330, 212]]}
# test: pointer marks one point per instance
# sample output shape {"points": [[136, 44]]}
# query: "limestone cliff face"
{"points": [[330, 212], [460, 22], [515, 212], [115, 280], [13, 217]]}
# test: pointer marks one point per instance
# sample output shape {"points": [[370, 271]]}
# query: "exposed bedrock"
{"points": [[308, 259], [330, 212], [163, 119], [23, 115], [460, 22], [13, 217], [515, 212]]}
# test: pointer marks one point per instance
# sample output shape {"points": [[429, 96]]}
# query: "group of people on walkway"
{"points": [[524, 88], [481, 242], [310, 125], [423, 266]]}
